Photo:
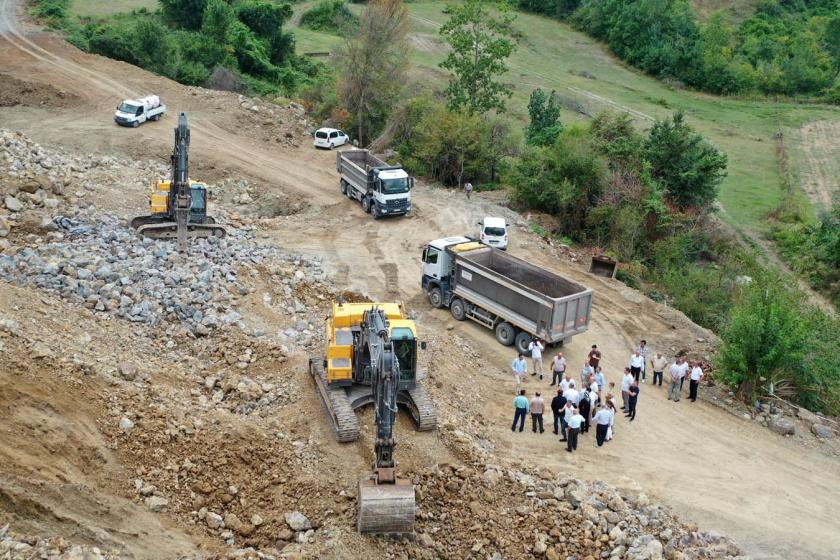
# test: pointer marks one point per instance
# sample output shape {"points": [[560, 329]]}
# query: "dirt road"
{"points": [[774, 495]]}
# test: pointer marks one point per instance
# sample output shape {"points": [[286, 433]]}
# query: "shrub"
{"points": [[331, 16]]}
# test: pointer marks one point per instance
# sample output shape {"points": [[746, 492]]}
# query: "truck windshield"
{"points": [[127, 108], [394, 186]]}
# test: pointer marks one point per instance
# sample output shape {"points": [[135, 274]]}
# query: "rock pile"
{"points": [[107, 267], [22, 547], [490, 512]]}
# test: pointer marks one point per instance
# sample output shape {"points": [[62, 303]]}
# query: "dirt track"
{"points": [[776, 496]]}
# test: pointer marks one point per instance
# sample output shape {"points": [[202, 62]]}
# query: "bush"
{"points": [[331, 16]]}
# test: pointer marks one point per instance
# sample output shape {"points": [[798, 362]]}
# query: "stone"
{"points": [[214, 520], [822, 431], [617, 535], [297, 521], [40, 350], [783, 426], [157, 504], [807, 416], [13, 204], [128, 371], [256, 520], [654, 550], [126, 425], [617, 504], [234, 523], [5, 227]]}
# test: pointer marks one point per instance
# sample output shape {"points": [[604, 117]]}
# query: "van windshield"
{"points": [[394, 186], [495, 231], [127, 108]]}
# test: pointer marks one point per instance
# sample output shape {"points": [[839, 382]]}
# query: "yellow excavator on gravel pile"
{"points": [[372, 359], [178, 205]]}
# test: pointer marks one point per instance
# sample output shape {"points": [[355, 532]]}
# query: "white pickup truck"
{"points": [[134, 112]]}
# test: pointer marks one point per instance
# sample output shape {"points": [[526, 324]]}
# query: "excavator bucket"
{"points": [[386, 509], [603, 266]]}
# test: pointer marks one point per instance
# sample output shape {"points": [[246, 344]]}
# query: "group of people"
{"points": [[576, 408]]}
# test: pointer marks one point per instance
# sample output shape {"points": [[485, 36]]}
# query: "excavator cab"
{"points": [[405, 350]]}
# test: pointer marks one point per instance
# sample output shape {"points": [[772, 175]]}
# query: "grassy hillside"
{"points": [[551, 55], [88, 8], [736, 10]]}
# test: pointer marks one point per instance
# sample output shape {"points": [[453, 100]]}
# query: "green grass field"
{"points": [[89, 8], [551, 55]]}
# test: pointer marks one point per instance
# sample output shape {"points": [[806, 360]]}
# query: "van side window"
{"points": [[333, 134], [432, 256]]}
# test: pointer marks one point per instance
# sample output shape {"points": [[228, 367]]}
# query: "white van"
{"points": [[330, 138], [493, 232]]}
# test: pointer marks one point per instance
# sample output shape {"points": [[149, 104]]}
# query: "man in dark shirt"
{"points": [[594, 356], [631, 402], [557, 404], [585, 410]]}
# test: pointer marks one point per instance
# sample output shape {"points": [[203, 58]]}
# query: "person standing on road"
{"points": [[610, 404], [520, 406], [572, 395], [677, 371], [585, 373], [632, 400], [658, 363], [637, 362], [585, 410], [594, 356], [643, 352], [567, 382], [626, 381], [575, 422], [519, 367], [537, 407], [536, 347], [557, 405], [600, 380], [602, 424], [694, 382], [568, 412], [468, 188], [558, 368]]}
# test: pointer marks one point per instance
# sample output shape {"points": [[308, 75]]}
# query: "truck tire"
{"points": [[458, 309], [343, 186], [135, 124], [505, 333], [523, 339], [436, 297], [366, 205], [374, 211]]}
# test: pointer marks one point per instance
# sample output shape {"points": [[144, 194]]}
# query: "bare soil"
{"points": [[67, 469]]}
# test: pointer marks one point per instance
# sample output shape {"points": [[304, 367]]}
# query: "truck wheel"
{"points": [[135, 124], [374, 210], [523, 339], [366, 205], [458, 309], [436, 298], [343, 187], [505, 333]]}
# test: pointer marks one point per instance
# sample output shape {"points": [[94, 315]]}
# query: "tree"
{"points": [[545, 119], [372, 64], [686, 164], [766, 336], [266, 19], [481, 41], [217, 21], [184, 13]]}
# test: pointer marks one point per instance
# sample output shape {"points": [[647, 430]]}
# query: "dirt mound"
{"points": [[15, 92]]}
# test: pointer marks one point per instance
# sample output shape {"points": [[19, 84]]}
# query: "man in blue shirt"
{"points": [[520, 404]]}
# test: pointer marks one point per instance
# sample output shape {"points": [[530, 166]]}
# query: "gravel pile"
{"points": [[487, 511], [19, 547], [106, 266]]}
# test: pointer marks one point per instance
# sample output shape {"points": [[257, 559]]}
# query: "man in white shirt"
{"points": [[643, 352], [677, 372], [637, 362], [558, 368], [536, 347], [519, 367], [575, 422], [626, 380], [566, 383], [572, 395], [658, 362], [694, 382], [602, 423], [568, 412]]}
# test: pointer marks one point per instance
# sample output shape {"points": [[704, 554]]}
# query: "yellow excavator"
{"points": [[178, 205], [372, 359]]}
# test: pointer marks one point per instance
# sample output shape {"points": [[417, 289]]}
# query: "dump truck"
{"points": [[382, 189], [134, 112], [519, 301]]}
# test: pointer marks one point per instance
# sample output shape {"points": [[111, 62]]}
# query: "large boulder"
{"points": [[783, 426], [822, 431]]}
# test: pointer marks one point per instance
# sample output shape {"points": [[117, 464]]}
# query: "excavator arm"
{"points": [[386, 501], [180, 196]]}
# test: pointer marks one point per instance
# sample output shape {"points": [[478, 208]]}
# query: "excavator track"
{"points": [[336, 404], [166, 230], [421, 407]]}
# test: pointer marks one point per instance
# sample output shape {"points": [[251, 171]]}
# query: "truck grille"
{"points": [[397, 203]]}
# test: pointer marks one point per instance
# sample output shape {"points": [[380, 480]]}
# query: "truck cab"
{"points": [[494, 232], [134, 112], [437, 267], [392, 192]]}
